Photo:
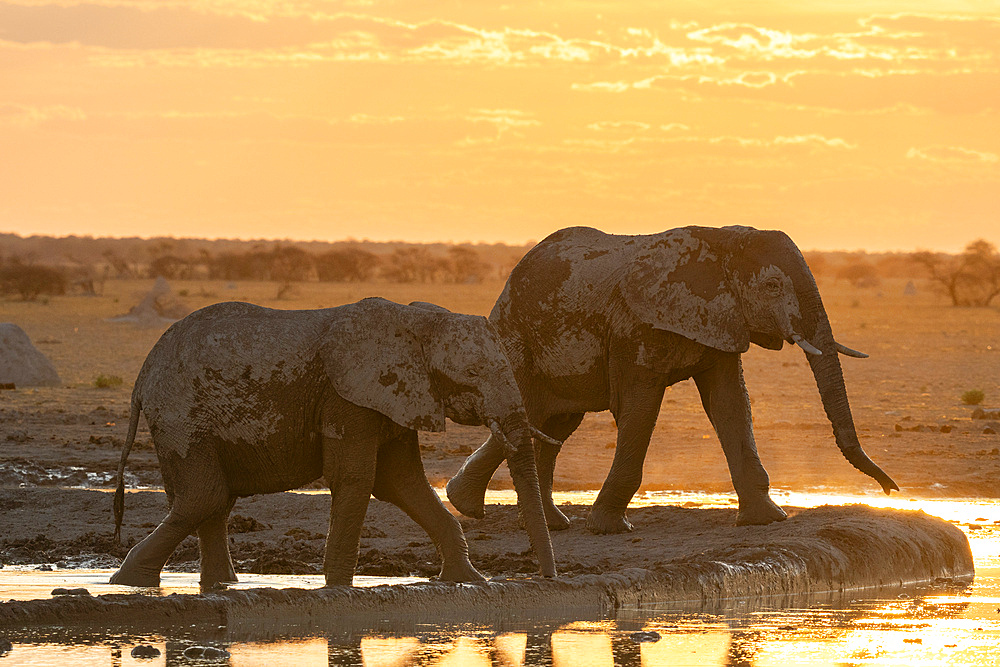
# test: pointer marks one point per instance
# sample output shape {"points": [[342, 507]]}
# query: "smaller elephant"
{"points": [[242, 400]]}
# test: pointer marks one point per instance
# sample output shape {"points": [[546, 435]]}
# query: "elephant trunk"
{"points": [[830, 381], [515, 433]]}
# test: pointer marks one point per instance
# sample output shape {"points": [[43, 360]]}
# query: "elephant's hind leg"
{"points": [[199, 492], [400, 480], [144, 561], [213, 542], [637, 394]]}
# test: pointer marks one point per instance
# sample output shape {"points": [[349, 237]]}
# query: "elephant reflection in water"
{"points": [[547, 644]]}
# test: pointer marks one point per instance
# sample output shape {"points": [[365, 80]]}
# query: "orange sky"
{"points": [[847, 124]]}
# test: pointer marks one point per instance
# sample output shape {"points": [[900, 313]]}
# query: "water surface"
{"points": [[928, 625]]}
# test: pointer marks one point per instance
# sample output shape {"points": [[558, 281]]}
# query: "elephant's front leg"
{"points": [[467, 489], [559, 427], [349, 469], [724, 396], [400, 480], [636, 396]]}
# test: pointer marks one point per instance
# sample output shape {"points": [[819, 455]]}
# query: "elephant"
{"points": [[243, 400], [593, 321]]}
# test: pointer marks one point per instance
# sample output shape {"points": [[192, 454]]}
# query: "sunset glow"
{"points": [[848, 125]]}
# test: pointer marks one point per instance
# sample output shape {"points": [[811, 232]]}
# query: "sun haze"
{"points": [[848, 125]]}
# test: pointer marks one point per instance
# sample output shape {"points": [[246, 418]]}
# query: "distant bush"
{"points": [[170, 267], [281, 263], [291, 264], [973, 397], [859, 273], [103, 381], [464, 266], [346, 265], [30, 281], [414, 264]]}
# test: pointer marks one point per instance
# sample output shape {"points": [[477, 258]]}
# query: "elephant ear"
{"points": [[678, 284], [374, 359]]}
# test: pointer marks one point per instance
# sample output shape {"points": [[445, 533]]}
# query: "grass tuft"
{"points": [[973, 397], [103, 381]]}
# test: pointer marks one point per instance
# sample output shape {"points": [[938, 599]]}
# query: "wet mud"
{"points": [[674, 554]]}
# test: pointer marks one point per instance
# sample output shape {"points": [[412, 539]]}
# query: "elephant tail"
{"points": [[119, 502]]}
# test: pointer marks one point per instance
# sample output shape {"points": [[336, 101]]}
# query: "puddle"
{"points": [[924, 626], [29, 583]]}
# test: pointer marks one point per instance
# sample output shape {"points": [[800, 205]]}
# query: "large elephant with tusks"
{"points": [[594, 321]]}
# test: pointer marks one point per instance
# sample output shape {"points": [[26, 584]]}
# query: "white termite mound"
{"points": [[160, 306], [21, 363]]}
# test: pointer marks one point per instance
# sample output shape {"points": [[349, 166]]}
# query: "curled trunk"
{"points": [[830, 382]]}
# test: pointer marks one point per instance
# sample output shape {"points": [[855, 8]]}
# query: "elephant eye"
{"points": [[773, 286], [473, 372]]}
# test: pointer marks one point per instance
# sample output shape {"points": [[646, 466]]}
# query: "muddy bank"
{"points": [[674, 554]]}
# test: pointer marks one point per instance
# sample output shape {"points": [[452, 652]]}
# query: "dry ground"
{"points": [[924, 354], [906, 397]]}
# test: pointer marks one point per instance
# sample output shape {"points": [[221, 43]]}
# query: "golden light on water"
{"points": [[307, 653], [577, 648], [388, 651], [918, 627]]}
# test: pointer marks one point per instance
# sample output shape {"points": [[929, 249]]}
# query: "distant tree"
{"points": [[291, 264], [170, 267], [860, 273], [817, 262], [413, 264], [465, 266], [971, 278], [118, 263], [254, 264], [31, 281], [346, 265]]}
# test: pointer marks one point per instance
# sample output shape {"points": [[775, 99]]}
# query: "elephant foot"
{"points": [[460, 572], [333, 580], [555, 519], [759, 512], [132, 577], [601, 522], [467, 495], [208, 581]]}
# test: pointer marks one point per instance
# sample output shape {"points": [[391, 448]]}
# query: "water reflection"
{"points": [[928, 626]]}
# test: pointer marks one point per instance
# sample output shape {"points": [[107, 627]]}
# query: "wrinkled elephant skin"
{"points": [[242, 400], [594, 321]]}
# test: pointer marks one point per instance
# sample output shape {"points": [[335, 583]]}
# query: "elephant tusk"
{"points": [[544, 438], [843, 349], [498, 434], [806, 345]]}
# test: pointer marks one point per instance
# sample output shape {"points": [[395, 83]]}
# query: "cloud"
{"points": [[618, 126], [23, 115], [952, 155], [641, 140], [448, 129]]}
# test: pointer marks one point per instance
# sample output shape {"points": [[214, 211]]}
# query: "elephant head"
{"points": [[420, 364], [731, 286]]}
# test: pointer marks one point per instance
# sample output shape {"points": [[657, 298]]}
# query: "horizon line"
{"points": [[514, 244]]}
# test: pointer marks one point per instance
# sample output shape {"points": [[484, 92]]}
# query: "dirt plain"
{"points": [[905, 399]]}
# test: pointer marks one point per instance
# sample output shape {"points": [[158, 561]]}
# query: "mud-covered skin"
{"points": [[594, 321], [242, 400]]}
